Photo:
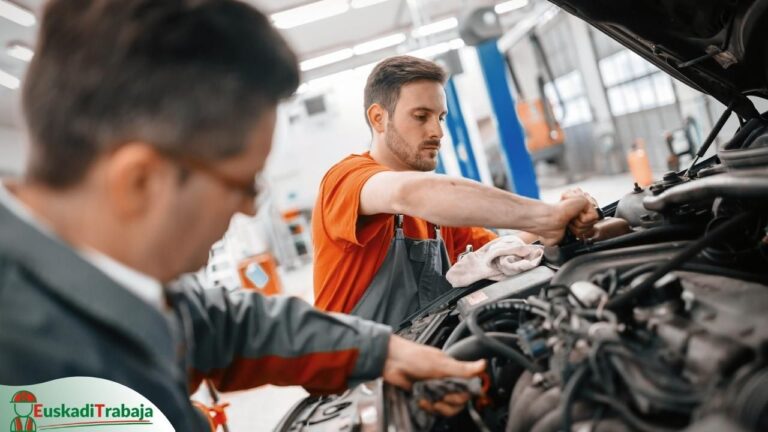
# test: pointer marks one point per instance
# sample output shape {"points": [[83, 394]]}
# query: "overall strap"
{"points": [[438, 233], [398, 222]]}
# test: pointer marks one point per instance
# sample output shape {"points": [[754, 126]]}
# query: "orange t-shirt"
{"points": [[350, 248]]}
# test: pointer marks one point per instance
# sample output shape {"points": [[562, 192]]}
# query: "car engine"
{"points": [[658, 323]]}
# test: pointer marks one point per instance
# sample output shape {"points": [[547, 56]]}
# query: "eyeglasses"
{"points": [[250, 189]]}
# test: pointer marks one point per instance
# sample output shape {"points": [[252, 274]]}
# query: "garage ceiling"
{"points": [[359, 21]]}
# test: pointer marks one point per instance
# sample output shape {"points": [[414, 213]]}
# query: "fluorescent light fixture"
{"points": [[359, 4], [380, 43], [436, 27], [365, 69], [456, 43], [308, 13], [20, 51], [509, 6], [8, 80], [326, 59], [17, 14], [435, 50], [431, 51]]}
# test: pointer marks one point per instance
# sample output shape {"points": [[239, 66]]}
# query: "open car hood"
{"points": [[719, 47]]}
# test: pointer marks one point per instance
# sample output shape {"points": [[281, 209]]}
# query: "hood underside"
{"points": [[718, 47]]}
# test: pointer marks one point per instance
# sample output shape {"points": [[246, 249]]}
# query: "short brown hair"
{"points": [[186, 76], [386, 79]]}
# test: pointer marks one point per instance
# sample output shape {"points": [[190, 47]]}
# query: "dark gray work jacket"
{"points": [[62, 317]]}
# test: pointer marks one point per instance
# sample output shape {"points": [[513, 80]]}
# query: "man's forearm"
{"points": [[453, 201]]}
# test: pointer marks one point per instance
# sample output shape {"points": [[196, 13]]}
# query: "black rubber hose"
{"points": [[455, 335], [740, 138], [637, 271], [626, 414], [570, 391], [498, 347], [658, 234], [472, 348], [750, 405], [623, 300]]}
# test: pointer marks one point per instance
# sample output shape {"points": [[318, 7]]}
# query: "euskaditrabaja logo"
{"points": [[111, 407]]}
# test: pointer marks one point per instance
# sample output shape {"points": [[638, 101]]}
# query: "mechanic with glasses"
{"points": [[148, 122]]}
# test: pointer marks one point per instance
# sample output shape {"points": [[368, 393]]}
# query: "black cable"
{"points": [[599, 369], [644, 366], [626, 414], [739, 139], [597, 418], [455, 335], [569, 395], [499, 324], [461, 328], [625, 299], [637, 271], [681, 402], [663, 233], [614, 276], [495, 345]]}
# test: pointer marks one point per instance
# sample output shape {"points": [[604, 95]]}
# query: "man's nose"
{"points": [[436, 129]]}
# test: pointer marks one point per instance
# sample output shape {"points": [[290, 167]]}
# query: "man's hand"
{"points": [[582, 226], [577, 211], [408, 362]]}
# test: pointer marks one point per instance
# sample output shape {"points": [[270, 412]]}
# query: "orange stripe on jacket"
{"points": [[323, 373]]}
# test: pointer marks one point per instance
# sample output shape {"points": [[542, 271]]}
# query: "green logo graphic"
{"points": [[22, 405], [78, 404]]}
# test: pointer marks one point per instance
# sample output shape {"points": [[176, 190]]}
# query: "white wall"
{"points": [[305, 150], [13, 151], [590, 74]]}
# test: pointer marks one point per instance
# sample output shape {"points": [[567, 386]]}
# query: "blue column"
{"points": [[440, 169], [454, 120], [519, 166]]}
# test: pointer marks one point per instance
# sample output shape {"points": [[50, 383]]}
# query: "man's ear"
{"points": [[377, 117], [135, 177]]}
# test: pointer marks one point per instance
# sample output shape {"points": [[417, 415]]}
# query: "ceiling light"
{"points": [[8, 80], [20, 51], [436, 27], [302, 88], [358, 4], [509, 6], [456, 43], [326, 59], [309, 13], [435, 50], [378, 44], [17, 14]]}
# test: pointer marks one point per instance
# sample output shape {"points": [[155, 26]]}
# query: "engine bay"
{"points": [[656, 324]]}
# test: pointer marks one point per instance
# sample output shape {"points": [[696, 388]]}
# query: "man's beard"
{"points": [[410, 157]]}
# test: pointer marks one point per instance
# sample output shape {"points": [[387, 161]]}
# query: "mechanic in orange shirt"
{"points": [[380, 251]]}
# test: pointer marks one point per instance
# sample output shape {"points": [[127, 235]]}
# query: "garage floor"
{"points": [[261, 409]]}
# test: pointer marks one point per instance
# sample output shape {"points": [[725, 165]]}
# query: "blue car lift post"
{"points": [[457, 128], [519, 165]]}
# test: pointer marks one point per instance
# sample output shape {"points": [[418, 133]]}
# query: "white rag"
{"points": [[497, 260]]}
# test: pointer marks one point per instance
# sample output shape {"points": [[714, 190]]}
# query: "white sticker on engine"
{"points": [[476, 297]]}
